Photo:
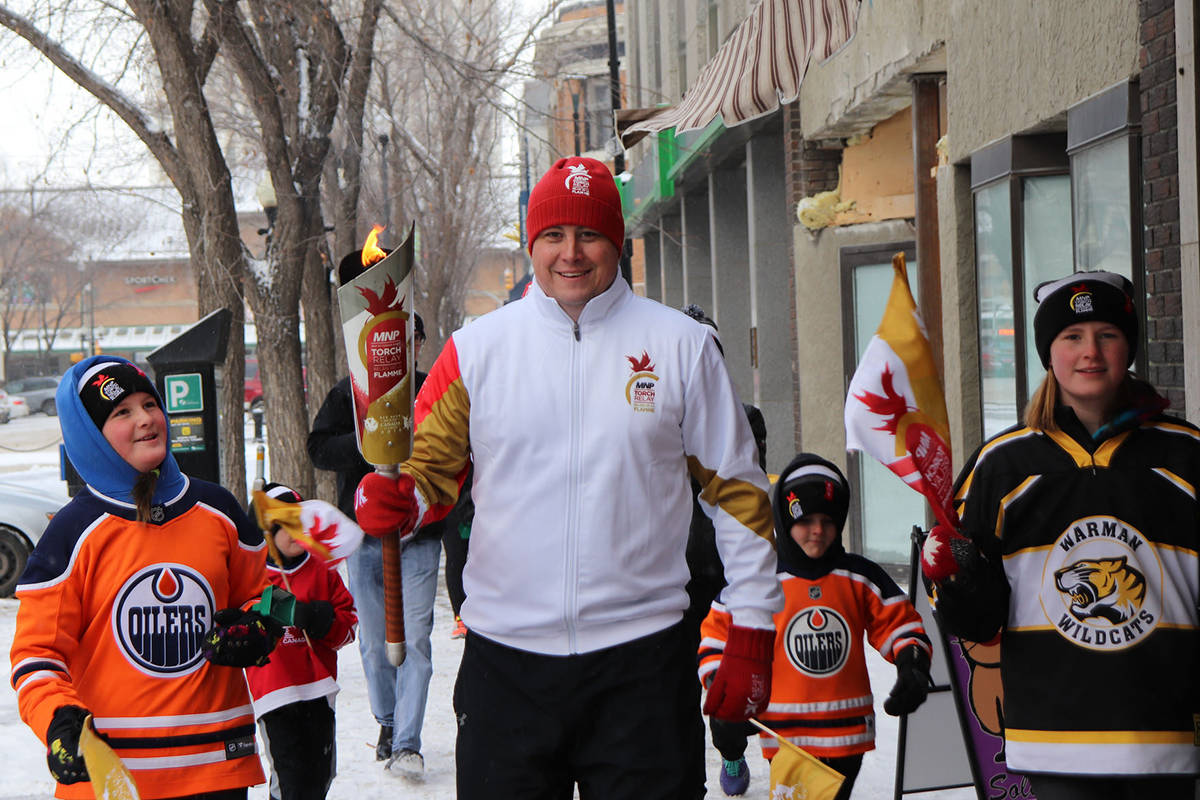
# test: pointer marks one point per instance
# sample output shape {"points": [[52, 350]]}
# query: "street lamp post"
{"points": [[575, 83]]}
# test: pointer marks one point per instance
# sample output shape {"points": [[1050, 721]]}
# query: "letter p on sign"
{"points": [[184, 393]]}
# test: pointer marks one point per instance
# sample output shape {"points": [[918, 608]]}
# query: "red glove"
{"points": [[384, 504], [741, 687], [946, 551]]}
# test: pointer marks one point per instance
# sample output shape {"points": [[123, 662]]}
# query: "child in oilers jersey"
{"points": [[133, 606], [294, 692], [820, 691]]}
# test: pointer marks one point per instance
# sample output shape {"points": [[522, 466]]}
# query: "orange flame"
{"points": [[372, 253]]}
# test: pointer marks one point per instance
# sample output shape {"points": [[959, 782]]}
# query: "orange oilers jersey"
{"points": [[111, 618], [820, 692]]}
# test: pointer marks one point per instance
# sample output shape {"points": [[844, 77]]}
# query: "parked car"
{"points": [[24, 515], [17, 406], [5, 407], [252, 397], [38, 392]]}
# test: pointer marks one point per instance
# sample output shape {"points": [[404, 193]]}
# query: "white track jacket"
{"points": [[583, 438]]}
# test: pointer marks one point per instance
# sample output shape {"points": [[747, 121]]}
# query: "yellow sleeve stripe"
{"points": [[740, 499]]}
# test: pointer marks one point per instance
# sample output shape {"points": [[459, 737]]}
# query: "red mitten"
{"points": [[384, 504], [741, 686], [946, 551]]}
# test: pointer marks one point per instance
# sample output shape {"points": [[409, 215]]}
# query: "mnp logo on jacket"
{"points": [[159, 618], [641, 387], [1094, 584]]}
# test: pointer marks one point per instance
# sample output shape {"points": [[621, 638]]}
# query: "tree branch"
{"points": [[156, 140]]}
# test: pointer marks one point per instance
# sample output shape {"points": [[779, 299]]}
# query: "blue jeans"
{"points": [[397, 695]]}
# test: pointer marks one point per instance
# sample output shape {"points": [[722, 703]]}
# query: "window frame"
{"points": [[851, 257], [1012, 160]]}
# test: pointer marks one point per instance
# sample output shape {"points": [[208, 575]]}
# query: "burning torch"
{"points": [[374, 288]]}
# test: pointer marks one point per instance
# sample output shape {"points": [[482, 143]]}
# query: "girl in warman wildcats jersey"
{"points": [[1078, 554]]}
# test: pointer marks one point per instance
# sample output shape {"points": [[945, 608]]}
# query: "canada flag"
{"points": [[895, 408]]}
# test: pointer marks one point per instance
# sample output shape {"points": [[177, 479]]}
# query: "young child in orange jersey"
{"points": [[820, 691], [133, 605], [294, 692]]}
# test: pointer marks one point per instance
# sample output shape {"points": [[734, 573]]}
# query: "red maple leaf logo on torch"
{"points": [[376, 304]]}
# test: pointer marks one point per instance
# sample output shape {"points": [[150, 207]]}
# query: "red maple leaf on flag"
{"points": [[891, 405]]}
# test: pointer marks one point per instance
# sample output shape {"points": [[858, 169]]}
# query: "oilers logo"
{"points": [[159, 618], [1095, 584], [817, 641]]}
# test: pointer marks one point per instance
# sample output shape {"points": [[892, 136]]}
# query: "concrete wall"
{"points": [[960, 324], [866, 80], [1017, 64], [819, 328]]}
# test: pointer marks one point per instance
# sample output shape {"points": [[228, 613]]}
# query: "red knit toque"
{"points": [[577, 191]]}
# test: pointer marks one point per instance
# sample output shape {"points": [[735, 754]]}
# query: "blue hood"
{"points": [[91, 454]]}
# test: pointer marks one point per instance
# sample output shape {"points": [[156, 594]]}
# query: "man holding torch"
{"points": [[585, 410]]}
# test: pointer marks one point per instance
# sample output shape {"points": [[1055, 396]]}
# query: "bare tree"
{"points": [[28, 291], [445, 102], [291, 60]]}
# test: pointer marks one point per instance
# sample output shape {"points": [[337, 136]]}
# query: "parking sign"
{"points": [[184, 394]]}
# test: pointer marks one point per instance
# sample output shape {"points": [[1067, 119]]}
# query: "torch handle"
{"points": [[393, 587]]}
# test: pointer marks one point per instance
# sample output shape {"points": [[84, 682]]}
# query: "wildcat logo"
{"points": [[1106, 588], [640, 389], [1096, 585]]}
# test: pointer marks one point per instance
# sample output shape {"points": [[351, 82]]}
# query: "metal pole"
{"points": [[387, 190], [614, 89], [575, 112]]}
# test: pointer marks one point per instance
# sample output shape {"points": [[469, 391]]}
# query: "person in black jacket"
{"points": [[397, 695]]}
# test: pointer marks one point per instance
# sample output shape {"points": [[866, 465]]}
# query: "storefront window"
{"points": [[997, 329], [1046, 213], [1103, 222], [885, 508]]}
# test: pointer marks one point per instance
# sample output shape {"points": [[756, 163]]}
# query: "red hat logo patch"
{"points": [[578, 181]]}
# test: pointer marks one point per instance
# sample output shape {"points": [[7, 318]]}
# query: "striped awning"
{"points": [[759, 67]]}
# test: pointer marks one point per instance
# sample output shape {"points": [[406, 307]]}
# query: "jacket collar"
{"points": [[598, 308]]}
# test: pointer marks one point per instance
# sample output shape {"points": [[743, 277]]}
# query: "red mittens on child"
{"points": [[946, 551], [384, 504], [741, 686]]}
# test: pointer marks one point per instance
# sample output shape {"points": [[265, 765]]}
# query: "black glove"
{"points": [[315, 617], [912, 682], [62, 745], [240, 638]]}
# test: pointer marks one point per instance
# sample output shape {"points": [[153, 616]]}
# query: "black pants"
{"points": [[299, 740], [531, 726], [1076, 787], [455, 548], [730, 740]]}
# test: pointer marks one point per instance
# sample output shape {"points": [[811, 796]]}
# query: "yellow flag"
{"points": [[797, 775], [109, 777], [317, 526]]}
